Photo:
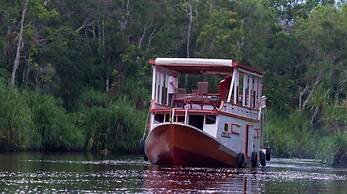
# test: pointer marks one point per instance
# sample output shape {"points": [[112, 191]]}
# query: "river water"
{"points": [[79, 172]]}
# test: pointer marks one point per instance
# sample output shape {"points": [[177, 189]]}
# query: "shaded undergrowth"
{"points": [[33, 121]]}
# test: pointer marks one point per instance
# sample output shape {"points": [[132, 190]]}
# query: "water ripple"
{"points": [[136, 176]]}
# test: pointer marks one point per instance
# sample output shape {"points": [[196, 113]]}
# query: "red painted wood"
{"points": [[181, 145]]}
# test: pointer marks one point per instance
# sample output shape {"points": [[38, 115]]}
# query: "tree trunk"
{"points": [[142, 37], [107, 82], [315, 113], [124, 21], [150, 38], [99, 38], [301, 94], [19, 45], [315, 85], [190, 14], [25, 72]]}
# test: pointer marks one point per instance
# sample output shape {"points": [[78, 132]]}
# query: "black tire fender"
{"points": [[254, 159], [142, 145], [142, 148], [268, 154], [240, 158], [262, 158]]}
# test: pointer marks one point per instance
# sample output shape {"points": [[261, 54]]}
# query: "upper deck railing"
{"points": [[242, 86]]}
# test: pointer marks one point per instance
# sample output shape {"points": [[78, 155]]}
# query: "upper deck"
{"points": [[241, 85], [224, 91]]}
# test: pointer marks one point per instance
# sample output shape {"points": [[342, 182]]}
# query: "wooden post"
{"points": [[160, 87], [245, 83], [232, 84], [250, 87], [236, 86], [186, 116], [154, 82], [190, 14]]}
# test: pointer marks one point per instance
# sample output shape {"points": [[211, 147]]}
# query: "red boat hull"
{"points": [[182, 145]]}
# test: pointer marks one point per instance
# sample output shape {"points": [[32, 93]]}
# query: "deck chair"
{"points": [[181, 91], [202, 88]]}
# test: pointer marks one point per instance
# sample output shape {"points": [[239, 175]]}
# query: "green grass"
{"points": [[34, 121], [292, 136]]}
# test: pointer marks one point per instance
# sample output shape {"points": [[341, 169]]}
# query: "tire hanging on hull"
{"points": [[262, 158], [240, 158], [268, 154], [142, 148], [254, 159]]}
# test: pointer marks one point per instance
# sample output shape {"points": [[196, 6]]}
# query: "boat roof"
{"points": [[200, 65]]}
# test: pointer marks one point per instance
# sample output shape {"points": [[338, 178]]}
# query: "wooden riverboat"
{"points": [[199, 128]]}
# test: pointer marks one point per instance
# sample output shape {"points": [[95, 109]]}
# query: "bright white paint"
{"points": [[154, 83], [193, 62]]}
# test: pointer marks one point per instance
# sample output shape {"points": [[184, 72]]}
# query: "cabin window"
{"points": [[164, 98], [164, 90], [180, 119], [167, 118], [196, 121], [210, 119], [226, 126], [240, 90], [158, 118]]}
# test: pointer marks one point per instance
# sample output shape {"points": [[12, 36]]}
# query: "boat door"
{"points": [[249, 140]]}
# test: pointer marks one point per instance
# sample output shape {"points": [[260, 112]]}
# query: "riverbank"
{"points": [[34, 121], [102, 123], [292, 136]]}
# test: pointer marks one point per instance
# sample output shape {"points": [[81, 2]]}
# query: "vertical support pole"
{"points": [[157, 86], [250, 91], [236, 85], [160, 87], [254, 91], [173, 115], [245, 83], [154, 82], [256, 82], [167, 88], [186, 116], [232, 84]]}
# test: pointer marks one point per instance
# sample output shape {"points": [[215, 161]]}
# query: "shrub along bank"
{"points": [[33, 121], [292, 136]]}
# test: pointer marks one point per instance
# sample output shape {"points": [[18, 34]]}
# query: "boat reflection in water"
{"points": [[216, 180]]}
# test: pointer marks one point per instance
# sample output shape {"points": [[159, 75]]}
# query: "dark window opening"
{"points": [[196, 121], [159, 118], [180, 119], [164, 96], [210, 119], [167, 118], [225, 127], [254, 99]]}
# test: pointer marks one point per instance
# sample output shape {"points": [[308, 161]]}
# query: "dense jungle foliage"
{"points": [[74, 74]]}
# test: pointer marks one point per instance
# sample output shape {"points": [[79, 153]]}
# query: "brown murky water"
{"points": [[76, 172]]}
